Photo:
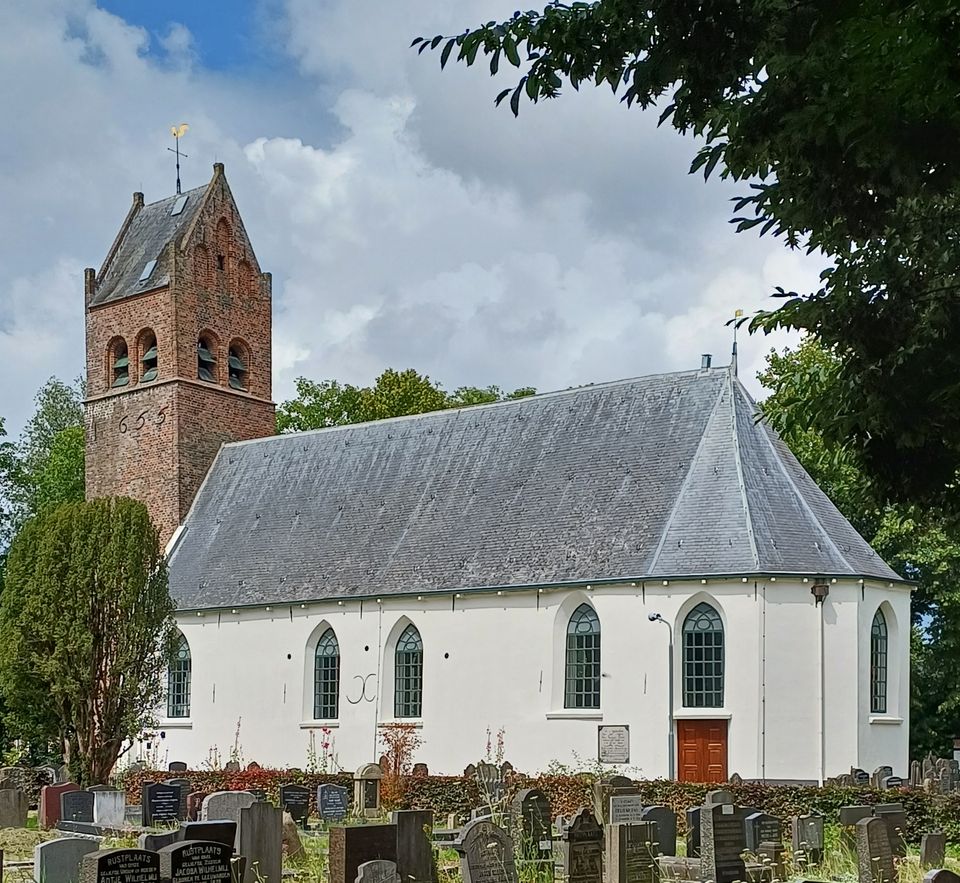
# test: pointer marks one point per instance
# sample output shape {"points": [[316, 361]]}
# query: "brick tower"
{"points": [[178, 350]]}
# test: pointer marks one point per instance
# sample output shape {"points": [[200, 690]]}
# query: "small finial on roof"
{"points": [[138, 199], [737, 318]]}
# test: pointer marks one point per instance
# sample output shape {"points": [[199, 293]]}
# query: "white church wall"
{"points": [[841, 652], [494, 662]]}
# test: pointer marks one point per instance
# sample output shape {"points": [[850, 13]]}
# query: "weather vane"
{"points": [[737, 316], [178, 132]]}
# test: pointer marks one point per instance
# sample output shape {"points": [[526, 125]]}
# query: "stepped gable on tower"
{"points": [[661, 477], [178, 335]]}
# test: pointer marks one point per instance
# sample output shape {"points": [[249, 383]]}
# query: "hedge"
{"points": [[455, 794]]}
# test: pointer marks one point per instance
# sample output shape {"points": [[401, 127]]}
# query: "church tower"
{"points": [[178, 335]]}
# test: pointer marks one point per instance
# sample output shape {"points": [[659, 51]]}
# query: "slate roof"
{"points": [[150, 235], [668, 476]]}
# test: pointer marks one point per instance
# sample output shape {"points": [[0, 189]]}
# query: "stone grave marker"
{"points": [[486, 853], [582, 849], [225, 805], [366, 790], [531, 808], [259, 793], [351, 847], [157, 840], [941, 875], [773, 856], [110, 808], [177, 766], [761, 827], [717, 797], [48, 813], [879, 774], [806, 834], [895, 817], [933, 849], [295, 799], [14, 807], [415, 845], [378, 871], [194, 803], [184, 786], [96, 788], [223, 831], [420, 770], [231, 766], [76, 806], [625, 809], [159, 803], [260, 841], [333, 802], [887, 783], [874, 856], [693, 831], [59, 860], [849, 816], [631, 853], [666, 822], [196, 861], [120, 866], [722, 840], [859, 777]]}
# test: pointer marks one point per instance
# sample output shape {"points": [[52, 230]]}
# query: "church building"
{"points": [[637, 571]]}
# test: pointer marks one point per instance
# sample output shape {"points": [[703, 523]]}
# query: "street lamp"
{"points": [[656, 617]]}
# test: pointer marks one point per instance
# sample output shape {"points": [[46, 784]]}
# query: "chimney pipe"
{"points": [[705, 361]]}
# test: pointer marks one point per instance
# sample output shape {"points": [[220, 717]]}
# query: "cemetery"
{"points": [[492, 824]]}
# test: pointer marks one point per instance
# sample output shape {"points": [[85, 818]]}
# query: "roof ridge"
{"points": [[175, 196], [732, 384]]}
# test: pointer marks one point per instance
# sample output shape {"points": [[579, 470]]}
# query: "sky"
{"points": [[406, 220]]}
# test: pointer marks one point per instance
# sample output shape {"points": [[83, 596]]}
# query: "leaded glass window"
{"points": [[326, 677], [703, 658], [178, 681], [878, 664], [408, 682], [583, 659]]}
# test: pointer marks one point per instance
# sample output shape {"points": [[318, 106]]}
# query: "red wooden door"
{"points": [[702, 750]]}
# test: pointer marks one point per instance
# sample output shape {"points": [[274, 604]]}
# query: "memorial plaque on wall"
{"points": [[613, 744]]}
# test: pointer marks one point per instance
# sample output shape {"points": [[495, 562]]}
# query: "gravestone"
{"points": [[717, 797], [59, 860], [49, 812], [414, 845], [157, 840], [14, 807], [295, 799], [806, 834], [232, 766], [96, 788], [159, 803], [224, 832], [333, 802], [259, 793], [631, 853], [196, 861], [110, 808], [184, 786], [879, 774], [377, 871], [260, 841], [859, 777], [889, 782], [895, 818], [486, 854], [773, 858], [225, 805], [693, 831], [531, 808], [366, 790], [721, 843], [194, 803], [582, 849], [120, 866], [874, 856], [666, 822], [933, 849], [177, 766], [420, 770], [941, 875], [849, 816], [761, 827], [351, 847], [625, 809], [76, 806]]}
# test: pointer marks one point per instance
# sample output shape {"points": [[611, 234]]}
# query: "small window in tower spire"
{"points": [[206, 361]]}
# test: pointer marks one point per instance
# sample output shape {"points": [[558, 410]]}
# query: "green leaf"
{"points": [[510, 50], [515, 99], [446, 52]]}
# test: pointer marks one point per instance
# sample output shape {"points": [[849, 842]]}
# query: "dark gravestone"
{"points": [[295, 799], [806, 835], [486, 854], [378, 871], [693, 831], [773, 858], [933, 849], [532, 808], [666, 822], [120, 866], [76, 806], [879, 774], [177, 766], [259, 793], [941, 875], [351, 847], [223, 831], [184, 786], [333, 802], [631, 853], [761, 827], [721, 843], [895, 818], [49, 812], [859, 777], [849, 816], [874, 856], [196, 862], [59, 860], [583, 849], [231, 766], [194, 803], [260, 842], [414, 845], [159, 803], [156, 841]]}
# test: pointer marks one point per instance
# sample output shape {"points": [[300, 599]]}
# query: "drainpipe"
{"points": [[820, 590]]}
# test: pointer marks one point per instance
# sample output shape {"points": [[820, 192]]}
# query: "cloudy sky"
{"points": [[406, 221]]}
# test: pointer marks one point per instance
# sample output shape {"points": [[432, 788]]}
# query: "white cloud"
{"points": [[407, 222]]}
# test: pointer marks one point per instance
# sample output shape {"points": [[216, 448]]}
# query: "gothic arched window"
{"points": [[148, 356], [178, 680], [878, 664], [703, 658], [408, 679], [582, 689], [238, 363], [206, 359], [119, 360], [326, 677]]}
